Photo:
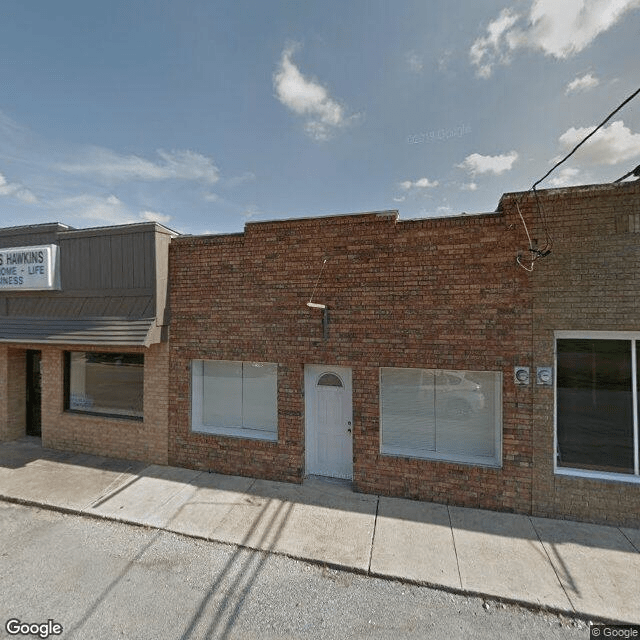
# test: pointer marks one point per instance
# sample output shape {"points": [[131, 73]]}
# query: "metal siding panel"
{"points": [[97, 331], [82, 274], [127, 261], [116, 262], [104, 266], [69, 272], [98, 307], [75, 260], [149, 310], [73, 249], [27, 239], [113, 306], [149, 259], [138, 260], [138, 307], [117, 306], [87, 308], [40, 307], [74, 307], [92, 261]]}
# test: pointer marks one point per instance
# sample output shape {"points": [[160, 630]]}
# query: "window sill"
{"points": [[597, 475], [235, 432], [474, 462], [109, 416]]}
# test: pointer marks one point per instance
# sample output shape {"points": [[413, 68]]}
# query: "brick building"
{"points": [[404, 383], [585, 324], [416, 358], [83, 350], [425, 366]]}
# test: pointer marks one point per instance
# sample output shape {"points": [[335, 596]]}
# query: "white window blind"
{"points": [[259, 396], [408, 409], [235, 398], [444, 415], [222, 394]]}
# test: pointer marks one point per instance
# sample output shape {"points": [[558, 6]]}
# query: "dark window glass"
{"points": [[595, 406], [329, 380], [105, 383]]}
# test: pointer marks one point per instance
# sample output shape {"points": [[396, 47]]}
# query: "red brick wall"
{"points": [[13, 371], [441, 294], [5, 430], [590, 282], [134, 440]]}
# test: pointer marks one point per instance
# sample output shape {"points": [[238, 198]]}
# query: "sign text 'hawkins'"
{"points": [[29, 268]]}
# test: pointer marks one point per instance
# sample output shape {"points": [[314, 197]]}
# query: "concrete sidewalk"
{"points": [[568, 567]]}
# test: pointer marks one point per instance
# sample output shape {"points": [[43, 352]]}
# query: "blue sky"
{"points": [[204, 115]]}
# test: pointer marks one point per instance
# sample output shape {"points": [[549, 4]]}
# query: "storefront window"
{"points": [[595, 411], [235, 398], [109, 384], [442, 415]]}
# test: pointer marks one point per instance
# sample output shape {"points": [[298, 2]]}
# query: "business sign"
{"points": [[34, 268]]}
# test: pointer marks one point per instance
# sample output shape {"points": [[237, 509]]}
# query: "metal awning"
{"points": [[86, 331]]}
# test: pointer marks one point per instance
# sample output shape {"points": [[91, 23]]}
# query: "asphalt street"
{"points": [[103, 579]]}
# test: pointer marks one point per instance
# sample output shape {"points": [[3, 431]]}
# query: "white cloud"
{"points": [[582, 83], [236, 181], [478, 164], [444, 59], [250, 211], [470, 186], [211, 197], [414, 62], [98, 209], [611, 145], [566, 177], [10, 130], [180, 165], [399, 198], [103, 210], [559, 28], [153, 216], [16, 190], [323, 115], [26, 196], [422, 183], [486, 51]]}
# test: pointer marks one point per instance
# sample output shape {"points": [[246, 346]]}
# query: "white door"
{"points": [[328, 421]]}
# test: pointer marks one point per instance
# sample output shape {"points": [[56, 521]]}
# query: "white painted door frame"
{"points": [[328, 421]]}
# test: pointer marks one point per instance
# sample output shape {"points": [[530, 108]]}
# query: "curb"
{"points": [[531, 606]]}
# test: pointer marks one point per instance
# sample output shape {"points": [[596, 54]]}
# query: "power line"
{"points": [[633, 172], [613, 113], [546, 250]]}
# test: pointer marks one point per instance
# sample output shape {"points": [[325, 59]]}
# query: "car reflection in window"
{"points": [[458, 396]]}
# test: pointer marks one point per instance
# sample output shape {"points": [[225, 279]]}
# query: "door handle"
{"points": [[349, 423]]}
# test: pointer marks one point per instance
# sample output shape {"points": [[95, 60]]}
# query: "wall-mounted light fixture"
{"points": [[325, 317]]}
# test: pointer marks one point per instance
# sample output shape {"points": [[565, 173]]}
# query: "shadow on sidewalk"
{"points": [[27, 456]]}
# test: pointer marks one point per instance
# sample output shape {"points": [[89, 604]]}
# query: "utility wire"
{"points": [[313, 293], [633, 172], [541, 253], [613, 113]]}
